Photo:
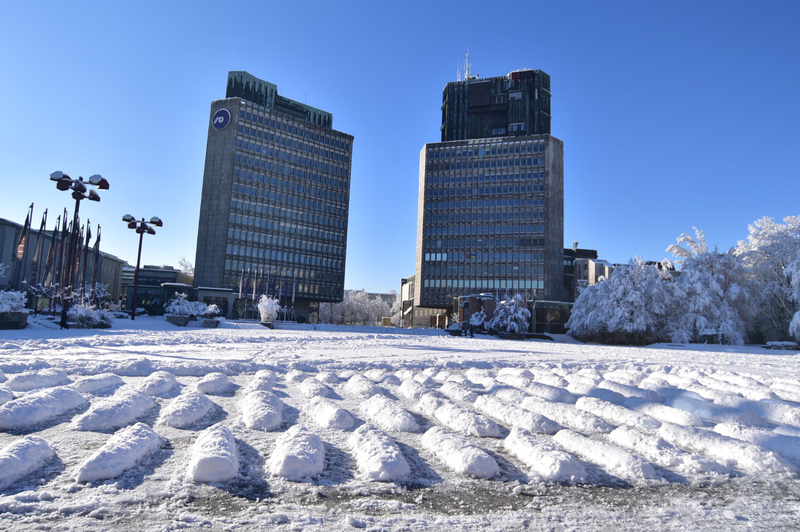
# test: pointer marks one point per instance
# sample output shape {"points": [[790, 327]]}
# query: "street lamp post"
{"points": [[141, 227], [79, 192]]}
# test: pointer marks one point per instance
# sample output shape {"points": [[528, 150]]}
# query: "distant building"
{"points": [[575, 268], [275, 196], [109, 273], [415, 316], [157, 285]]}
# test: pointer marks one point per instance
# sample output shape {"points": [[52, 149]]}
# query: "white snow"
{"points": [[514, 416], [185, 410], [412, 390], [662, 453], [459, 454], [359, 386], [22, 457], [545, 461], [328, 415], [123, 451], [215, 457], [214, 384], [313, 388], [298, 454], [32, 380], [458, 392], [377, 455], [564, 414], [631, 391], [119, 410], [158, 383], [664, 413], [388, 415], [40, 406], [5, 396], [94, 383], [714, 413], [296, 376], [787, 446], [264, 379], [614, 460], [328, 377], [261, 410], [458, 418], [618, 415]]}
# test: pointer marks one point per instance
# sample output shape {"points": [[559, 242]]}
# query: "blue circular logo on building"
{"points": [[221, 119]]}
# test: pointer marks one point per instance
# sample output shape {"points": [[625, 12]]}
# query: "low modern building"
{"points": [[157, 285], [275, 197], [575, 268]]}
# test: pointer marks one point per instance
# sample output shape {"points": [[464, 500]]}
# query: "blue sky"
{"points": [[673, 114]]}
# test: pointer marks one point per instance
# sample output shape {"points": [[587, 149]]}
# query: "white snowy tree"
{"points": [[716, 294], [635, 301], [511, 315], [793, 275], [355, 309], [769, 249], [186, 267], [268, 308]]}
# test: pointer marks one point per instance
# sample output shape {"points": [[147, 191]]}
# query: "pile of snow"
{"points": [[785, 445], [298, 454], [215, 457], [458, 392], [5, 396], [412, 390], [564, 414], [388, 414], [732, 453], [614, 460], [664, 413], [662, 453], [264, 379], [327, 415], [546, 462], [714, 413], [631, 391], [39, 406], [268, 309], [377, 455], [328, 377], [618, 415], [157, 383], [32, 380], [119, 410], [123, 451], [295, 376], [459, 454], [464, 421], [214, 384], [23, 457], [261, 410], [514, 416], [360, 387], [185, 410], [314, 388], [94, 383]]}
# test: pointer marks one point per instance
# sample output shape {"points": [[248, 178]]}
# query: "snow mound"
{"points": [[776, 412], [631, 391], [328, 377], [785, 445], [314, 388], [327, 415], [550, 393], [626, 377], [298, 454], [23, 457], [157, 383], [295, 376], [614, 460], [94, 383], [460, 419], [214, 384], [545, 461], [664, 413], [39, 406], [749, 391], [425, 380], [377, 455], [388, 415], [412, 390], [663, 453], [376, 374], [732, 453], [119, 410], [784, 390], [515, 372], [714, 413], [3, 377], [32, 380], [588, 389], [617, 415], [264, 379], [261, 410], [550, 378], [514, 416], [121, 452], [458, 392], [564, 414], [459, 454], [360, 387], [5, 396], [185, 410], [214, 456]]}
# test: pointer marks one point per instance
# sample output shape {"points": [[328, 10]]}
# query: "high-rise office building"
{"points": [[491, 194], [276, 189]]}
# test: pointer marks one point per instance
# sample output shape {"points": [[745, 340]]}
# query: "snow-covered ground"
{"points": [[146, 426]]}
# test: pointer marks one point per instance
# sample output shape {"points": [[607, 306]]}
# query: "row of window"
{"points": [[276, 271], [293, 144], [454, 180], [481, 165], [483, 229], [482, 270], [482, 257], [292, 130], [286, 258], [305, 203], [280, 229], [295, 159], [281, 170], [303, 189], [483, 191], [515, 149], [525, 242], [488, 284], [481, 216], [297, 217], [475, 204]]}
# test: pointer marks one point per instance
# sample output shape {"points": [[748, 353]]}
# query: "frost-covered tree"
{"points": [[716, 294], [511, 315], [355, 309], [186, 267], [793, 275], [769, 249], [268, 309], [477, 318], [635, 301]]}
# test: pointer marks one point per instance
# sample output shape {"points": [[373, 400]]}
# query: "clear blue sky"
{"points": [[673, 114]]}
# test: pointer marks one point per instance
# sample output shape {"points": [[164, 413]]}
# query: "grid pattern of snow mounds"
{"points": [[549, 424]]}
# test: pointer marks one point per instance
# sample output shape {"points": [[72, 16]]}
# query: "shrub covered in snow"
{"points": [[477, 319], [180, 306], [89, 316], [793, 274], [511, 315], [12, 301], [268, 308]]}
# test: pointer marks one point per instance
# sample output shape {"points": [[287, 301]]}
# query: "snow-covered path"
{"points": [[164, 482]]}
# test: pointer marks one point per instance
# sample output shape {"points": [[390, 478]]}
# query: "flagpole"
{"points": [[96, 265]]}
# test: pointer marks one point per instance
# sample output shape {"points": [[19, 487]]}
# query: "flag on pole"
{"points": [[241, 283], [293, 284], [255, 286], [280, 287], [51, 254], [85, 261], [60, 255], [38, 251], [96, 260], [269, 287], [22, 246], [246, 284]]}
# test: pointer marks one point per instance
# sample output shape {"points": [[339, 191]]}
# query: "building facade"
{"points": [[490, 212], [276, 190]]}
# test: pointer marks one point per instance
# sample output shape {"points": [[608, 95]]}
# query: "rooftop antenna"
{"points": [[466, 66]]}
